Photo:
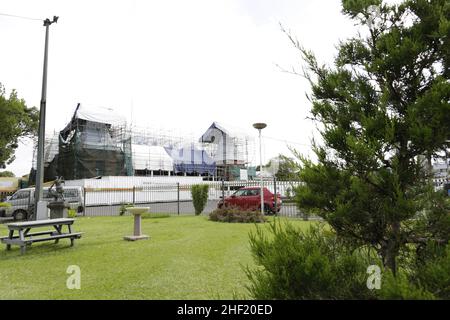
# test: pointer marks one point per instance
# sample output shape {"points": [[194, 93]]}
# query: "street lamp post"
{"points": [[41, 133], [259, 127]]}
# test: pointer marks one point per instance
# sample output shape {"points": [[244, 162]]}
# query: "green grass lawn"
{"points": [[185, 258]]}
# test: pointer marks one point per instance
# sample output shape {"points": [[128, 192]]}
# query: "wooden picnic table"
{"points": [[24, 238]]}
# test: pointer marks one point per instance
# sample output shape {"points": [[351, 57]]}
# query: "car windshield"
{"points": [[246, 192], [253, 192], [240, 193]]}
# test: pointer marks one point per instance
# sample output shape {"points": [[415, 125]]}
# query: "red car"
{"points": [[249, 198]]}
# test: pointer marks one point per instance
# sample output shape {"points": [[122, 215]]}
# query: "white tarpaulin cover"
{"points": [[99, 114], [151, 158], [191, 160]]}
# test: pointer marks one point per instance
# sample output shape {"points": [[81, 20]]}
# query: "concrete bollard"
{"points": [[137, 213]]}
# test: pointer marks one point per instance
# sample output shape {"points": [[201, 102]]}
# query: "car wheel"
{"points": [[266, 209], [20, 215]]}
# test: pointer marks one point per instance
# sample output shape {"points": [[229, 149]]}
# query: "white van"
{"points": [[21, 200]]}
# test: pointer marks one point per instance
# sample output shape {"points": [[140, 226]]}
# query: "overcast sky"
{"points": [[173, 64]]}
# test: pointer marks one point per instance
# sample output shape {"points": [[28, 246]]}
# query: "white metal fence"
{"points": [[175, 198]]}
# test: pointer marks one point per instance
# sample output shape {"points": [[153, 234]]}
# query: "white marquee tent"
{"points": [[152, 158]]}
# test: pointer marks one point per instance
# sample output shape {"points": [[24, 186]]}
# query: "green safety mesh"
{"points": [[98, 151], [235, 171], [77, 161]]}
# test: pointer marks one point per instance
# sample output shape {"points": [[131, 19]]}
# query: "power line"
{"points": [[20, 17]]}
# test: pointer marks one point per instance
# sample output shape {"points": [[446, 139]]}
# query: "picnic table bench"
{"points": [[24, 238]]}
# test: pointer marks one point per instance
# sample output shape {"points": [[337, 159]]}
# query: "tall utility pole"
{"points": [[41, 136], [259, 127]]}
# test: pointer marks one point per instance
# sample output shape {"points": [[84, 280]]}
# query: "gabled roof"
{"points": [[228, 130]]}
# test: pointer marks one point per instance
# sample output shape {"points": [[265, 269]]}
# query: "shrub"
{"points": [[71, 213], [5, 205], [123, 207], [235, 214], [293, 264], [401, 288], [425, 276], [200, 197], [434, 275]]}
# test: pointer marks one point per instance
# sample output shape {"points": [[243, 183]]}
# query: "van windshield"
{"points": [[20, 195]]}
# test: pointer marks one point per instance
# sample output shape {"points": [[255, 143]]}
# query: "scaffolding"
{"points": [[97, 142], [231, 148]]}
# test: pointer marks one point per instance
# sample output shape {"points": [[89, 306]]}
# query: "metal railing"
{"points": [[176, 198], [4, 195]]}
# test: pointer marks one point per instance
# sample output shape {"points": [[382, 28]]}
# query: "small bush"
{"points": [[434, 275], [235, 214], [5, 205], [297, 265], [426, 276], [429, 278], [401, 288], [199, 197], [71, 213], [123, 207]]}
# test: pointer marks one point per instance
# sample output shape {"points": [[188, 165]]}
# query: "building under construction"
{"points": [[94, 143], [97, 142], [230, 148]]}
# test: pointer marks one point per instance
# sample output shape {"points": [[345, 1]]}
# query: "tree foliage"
{"points": [[303, 265], [7, 174], [287, 169], [297, 264], [282, 167], [16, 121], [383, 108]]}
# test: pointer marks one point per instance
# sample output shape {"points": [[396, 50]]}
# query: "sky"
{"points": [[172, 64]]}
